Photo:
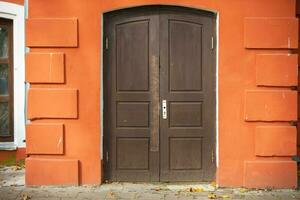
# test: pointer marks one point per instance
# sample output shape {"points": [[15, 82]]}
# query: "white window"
{"points": [[12, 76]]}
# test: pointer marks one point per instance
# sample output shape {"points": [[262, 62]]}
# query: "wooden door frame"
{"points": [[104, 110]]}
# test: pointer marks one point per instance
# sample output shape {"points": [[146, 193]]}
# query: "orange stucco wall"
{"points": [[20, 2], [298, 124], [10, 156], [248, 109]]}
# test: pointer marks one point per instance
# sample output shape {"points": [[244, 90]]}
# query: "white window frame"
{"points": [[16, 13]]}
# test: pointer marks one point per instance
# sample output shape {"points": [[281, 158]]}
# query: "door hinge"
{"points": [[212, 42], [106, 43], [212, 156], [107, 156]]}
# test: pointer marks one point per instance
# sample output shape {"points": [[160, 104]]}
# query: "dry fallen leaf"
{"points": [[225, 196], [26, 197], [196, 189], [212, 196], [243, 190], [160, 189], [17, 167], [213, 184], [111, 194]]}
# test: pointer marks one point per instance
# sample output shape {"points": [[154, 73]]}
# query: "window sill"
{"points": [[7, 146]]}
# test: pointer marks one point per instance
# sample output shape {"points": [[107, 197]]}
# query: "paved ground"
{"points": [[12, 187]]}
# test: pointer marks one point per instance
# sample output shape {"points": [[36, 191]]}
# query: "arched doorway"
{"points": [[159, 94]]}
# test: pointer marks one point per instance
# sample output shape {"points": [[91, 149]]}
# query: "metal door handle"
{"points": [[164, 109]]}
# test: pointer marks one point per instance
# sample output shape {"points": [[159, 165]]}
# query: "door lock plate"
{"points": [[164, 109]]}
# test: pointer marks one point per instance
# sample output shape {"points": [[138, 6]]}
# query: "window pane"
{"points": [[3, 42], [3, 79], [4, 119]]}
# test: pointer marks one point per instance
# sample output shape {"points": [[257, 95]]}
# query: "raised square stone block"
{"points": [[270, 174], [275, 141], [49, 171], [45, 68], [48, 32], [271, 105], [36, 142], [52, 103], [272, 33], [277, 69]]}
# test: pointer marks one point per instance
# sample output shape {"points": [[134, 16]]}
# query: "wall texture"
{"points": [[256, 74], [297, 51]]}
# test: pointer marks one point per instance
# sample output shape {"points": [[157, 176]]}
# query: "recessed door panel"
{"points": [[159, 95], [133, 114], [185, 49], [185, 153], [185, 114], [132, 46], [133, 153]]}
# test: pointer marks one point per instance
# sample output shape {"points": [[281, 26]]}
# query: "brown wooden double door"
{"points": [[159, 83]]}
